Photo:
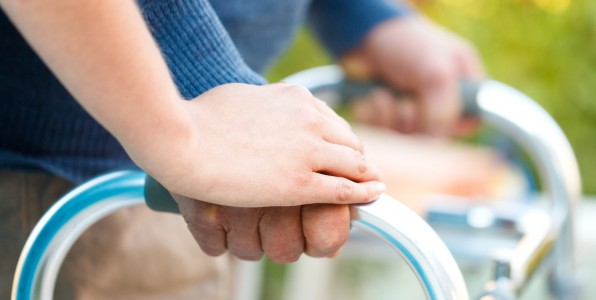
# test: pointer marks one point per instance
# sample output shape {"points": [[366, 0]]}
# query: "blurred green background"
{"points": [[546, 48]]}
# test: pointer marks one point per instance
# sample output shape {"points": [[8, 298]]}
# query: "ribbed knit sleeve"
{"points": [[197, 48], [342, 24]]}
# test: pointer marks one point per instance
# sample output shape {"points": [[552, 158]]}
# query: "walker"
{"points": [[543, 232]]}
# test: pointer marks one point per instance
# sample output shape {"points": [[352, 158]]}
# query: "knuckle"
{"points": [[280, 84], [298, 90], [203, 222], [344, 190], [197, 227], [314, 148], [313, 119], [295, 187], [301, 180], [361, 165]]}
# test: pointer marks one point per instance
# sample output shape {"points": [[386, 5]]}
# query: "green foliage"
{"points": [[305, 53], [549, 55], [546, 48]]}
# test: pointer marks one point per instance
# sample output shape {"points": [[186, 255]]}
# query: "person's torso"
{"points": [[261, 29]]}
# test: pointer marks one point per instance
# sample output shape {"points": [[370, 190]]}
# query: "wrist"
{"points": [[155, 137]]}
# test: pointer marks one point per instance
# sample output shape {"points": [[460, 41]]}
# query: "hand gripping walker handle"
{"points": [[389, 220]]}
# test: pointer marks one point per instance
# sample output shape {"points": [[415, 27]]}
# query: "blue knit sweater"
{"points": [[205, 45]]}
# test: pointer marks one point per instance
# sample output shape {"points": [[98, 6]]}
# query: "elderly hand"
{"points": [[281, 233], [427, 63], [274, 169]]}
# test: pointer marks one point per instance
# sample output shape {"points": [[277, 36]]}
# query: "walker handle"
{"points": [[406, 232], [158, 198]]}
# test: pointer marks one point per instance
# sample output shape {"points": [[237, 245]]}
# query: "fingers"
{"points": [[440, 107], [384, 105], [201, 219], [330, 113], [469, 63], [338, 190], [281, 234], [243, 238], [326, 228], [472, 70], [434, 86], [320, 105], [406, 115], [333, 127], [382, 108], [334, 132], [219, 228], [342, 161]]}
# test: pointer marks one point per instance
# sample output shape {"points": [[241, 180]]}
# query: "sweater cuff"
{"points": [[195, 45], [342, 24]]}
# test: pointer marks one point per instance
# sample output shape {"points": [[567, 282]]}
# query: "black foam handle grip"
{"points": [[158, 198]]}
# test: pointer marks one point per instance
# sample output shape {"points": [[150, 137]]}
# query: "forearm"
{"points": [[342, 24], [104, 55]]}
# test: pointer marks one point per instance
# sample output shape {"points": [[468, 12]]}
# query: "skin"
{"points": [[263, 147], [274, 168], [424, 61], [410, 54]]}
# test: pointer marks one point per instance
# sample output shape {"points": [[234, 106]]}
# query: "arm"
{"points": [[381, 40], [425, 61], [236, 145], [343, 24], [105, 56]]}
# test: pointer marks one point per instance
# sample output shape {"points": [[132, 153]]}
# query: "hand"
{"points": [[257, 146], [423, 60], [281, 233]]}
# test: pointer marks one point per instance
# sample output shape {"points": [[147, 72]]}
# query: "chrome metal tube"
{"points": [[518, 116], [534, 129], [417, 243], [57, 231]]}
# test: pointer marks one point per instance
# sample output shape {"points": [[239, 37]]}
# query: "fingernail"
{"points": [[379, 189]]}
